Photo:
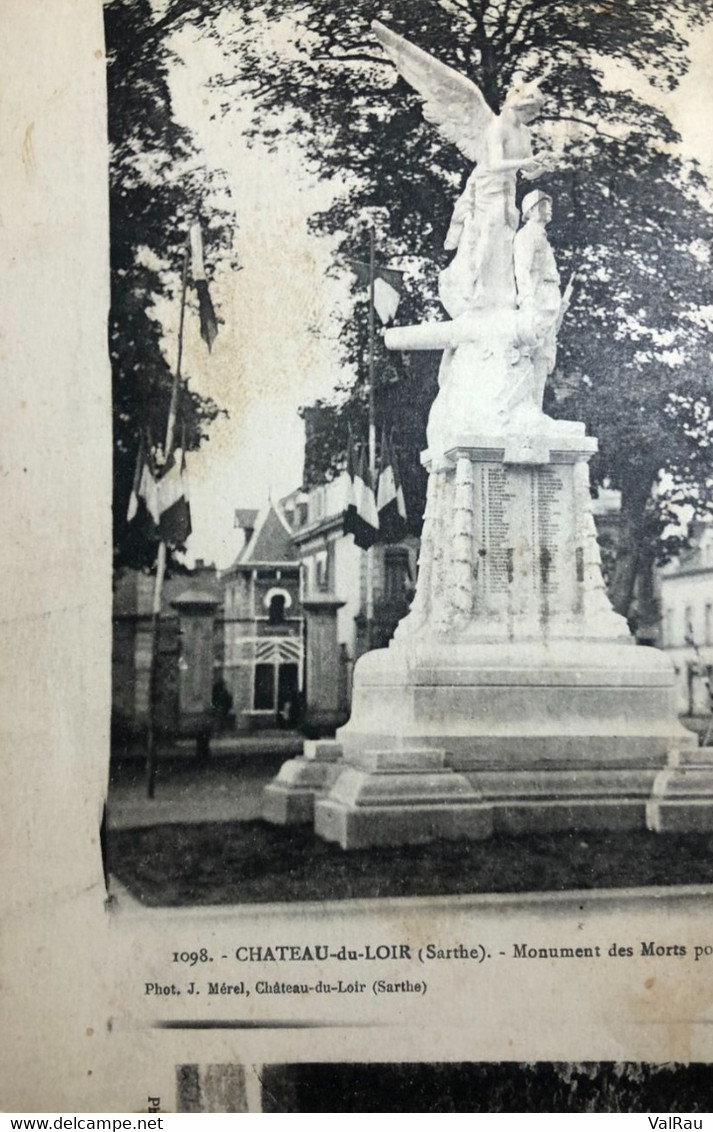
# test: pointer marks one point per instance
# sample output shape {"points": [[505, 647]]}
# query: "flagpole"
{"points": [[151, 761], [372, 438]]}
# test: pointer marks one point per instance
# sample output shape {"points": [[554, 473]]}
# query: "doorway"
{"points": [[288, 690], [276, 694]]}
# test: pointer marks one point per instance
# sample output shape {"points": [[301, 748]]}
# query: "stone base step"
{"points": [[289, 799], [400, 797], [358, 827], [682, 795]]}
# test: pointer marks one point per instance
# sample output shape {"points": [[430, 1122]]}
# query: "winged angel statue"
{"points": [[485, 218], [502, 288]]}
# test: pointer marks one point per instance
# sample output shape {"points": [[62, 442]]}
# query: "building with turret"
{"points": [[263, 622]]}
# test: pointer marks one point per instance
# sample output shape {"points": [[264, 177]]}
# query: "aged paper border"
{"points": [[77, 1033]]}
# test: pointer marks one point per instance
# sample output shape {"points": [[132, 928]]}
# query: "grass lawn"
{"points": [[254, 862]]}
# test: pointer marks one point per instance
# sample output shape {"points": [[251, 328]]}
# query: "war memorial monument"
{"points": [[512, 697]]}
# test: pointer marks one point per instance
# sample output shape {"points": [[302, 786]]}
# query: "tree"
{"points": [[630, 216], [157, 186]]}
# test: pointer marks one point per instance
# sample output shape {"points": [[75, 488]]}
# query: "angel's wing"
{"points": [[451, 101]]}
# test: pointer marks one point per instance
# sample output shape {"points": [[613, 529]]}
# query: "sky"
{"points": [[277, 347]]}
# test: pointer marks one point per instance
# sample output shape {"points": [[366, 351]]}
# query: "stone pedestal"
{"points": [[512, 667], [289, 798], [556, 735]]}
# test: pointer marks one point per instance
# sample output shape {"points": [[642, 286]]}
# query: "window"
{"points": [[321, 563], [277, 690], [316, 510], [276, 612], [688, 636], [276, 602], [397, 573], [264, 699]]}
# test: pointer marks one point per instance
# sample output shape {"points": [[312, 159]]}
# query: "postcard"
{"points": [[358, 640]]}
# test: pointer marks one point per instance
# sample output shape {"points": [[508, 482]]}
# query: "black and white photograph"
{"points": [[438, 1087], [357, 663], [411, 343]]}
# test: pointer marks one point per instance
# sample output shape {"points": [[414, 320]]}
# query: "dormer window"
{"points": [[276, 611], [276, 603]]}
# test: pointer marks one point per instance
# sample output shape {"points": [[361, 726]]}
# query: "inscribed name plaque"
{"points": [[530, 565], [499, 503], [554, 519]]}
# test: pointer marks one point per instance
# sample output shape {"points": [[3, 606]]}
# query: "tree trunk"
{"points": [[631, 551], [490, 73]]}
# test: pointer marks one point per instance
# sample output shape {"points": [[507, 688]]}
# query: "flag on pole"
{"points": [[174, 511], [391, 504], [145, 486], [350, 509], [148, 491], [209, 323], [165, 498], [388, 287], [366, 521], [133, 507]]}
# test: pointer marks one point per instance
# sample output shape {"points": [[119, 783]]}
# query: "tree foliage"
{"points": [[157, 186], [630, 216]]}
